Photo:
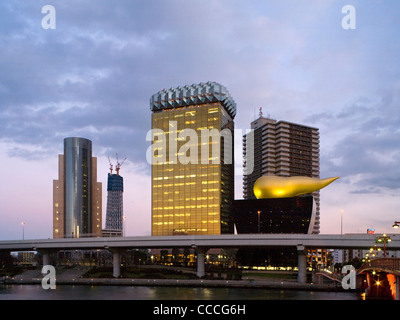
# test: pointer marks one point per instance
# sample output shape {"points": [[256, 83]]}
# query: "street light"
{"points": [[396, 224], [23, 230], [385, 239], [341, 221], [123, 225]]}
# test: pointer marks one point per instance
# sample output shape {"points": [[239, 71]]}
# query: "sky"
{"points": [[92, 75]]}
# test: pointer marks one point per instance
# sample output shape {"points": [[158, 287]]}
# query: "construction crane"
{"points": [[111, 166], [118, 166]]}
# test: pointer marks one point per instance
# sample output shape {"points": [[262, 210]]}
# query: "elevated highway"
{"points": [[202, 243], [320, 241]]}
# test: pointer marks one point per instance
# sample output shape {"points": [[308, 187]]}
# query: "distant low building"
{"points": [[107, 233], [27, 258]]}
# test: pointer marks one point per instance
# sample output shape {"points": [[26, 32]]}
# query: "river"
{"points": [[87, 292]]}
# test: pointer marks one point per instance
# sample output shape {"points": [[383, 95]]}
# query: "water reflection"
{"points": [[62, 292]]}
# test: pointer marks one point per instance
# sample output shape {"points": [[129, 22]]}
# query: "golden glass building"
{"points": [[192, 160]]}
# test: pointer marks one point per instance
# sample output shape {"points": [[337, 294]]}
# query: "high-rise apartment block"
{"points": [[192, 160], [77, 196], [281, 148]]}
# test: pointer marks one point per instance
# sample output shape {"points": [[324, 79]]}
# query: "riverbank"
{"points": [[75, 276], [264, 284]]}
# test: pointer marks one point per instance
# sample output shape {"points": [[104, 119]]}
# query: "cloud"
{"points": [[94, 74], [366, 139], [366, 191], [70, 83]]}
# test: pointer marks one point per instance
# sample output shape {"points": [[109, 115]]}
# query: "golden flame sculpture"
{"points": [[286, 187]]}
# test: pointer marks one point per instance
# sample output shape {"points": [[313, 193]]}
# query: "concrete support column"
{"points": [[201, 262], [301, 264], [45, 258], [45, 255], [116, 264]]}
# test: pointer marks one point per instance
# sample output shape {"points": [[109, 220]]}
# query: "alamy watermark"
{"points": [[349, 280], [49, 20], [49, 279], [349, 20], [195, 145]]}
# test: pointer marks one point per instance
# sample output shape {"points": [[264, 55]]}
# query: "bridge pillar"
{"points": [[45, 259], [301, 264], [201, 262], [46, 256], [116, 264]]}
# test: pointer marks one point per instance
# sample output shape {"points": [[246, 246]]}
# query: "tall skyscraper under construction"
{"points": [[281, 148], [115, 210], [77, 197], [192, 160]]}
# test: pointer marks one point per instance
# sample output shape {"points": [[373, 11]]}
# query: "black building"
{"points": [[280, 215]]}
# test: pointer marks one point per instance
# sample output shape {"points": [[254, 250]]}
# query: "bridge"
{"points": [[379, 277], [335, 277], [382, 275], [202, 243]]}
